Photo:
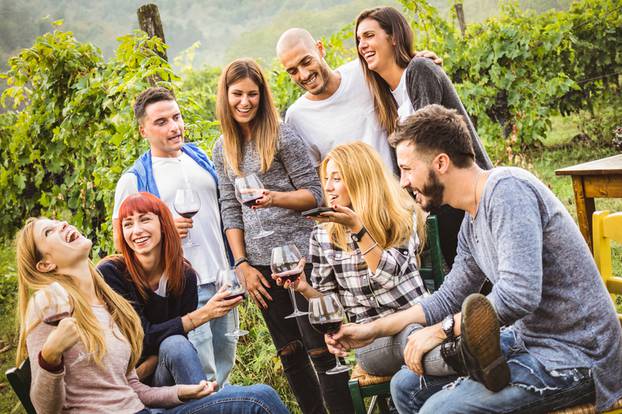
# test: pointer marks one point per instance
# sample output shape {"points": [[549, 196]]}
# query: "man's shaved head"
{"points": [[294, 37]]}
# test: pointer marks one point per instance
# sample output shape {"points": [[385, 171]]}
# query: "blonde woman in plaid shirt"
{"points": [[365, 251]]}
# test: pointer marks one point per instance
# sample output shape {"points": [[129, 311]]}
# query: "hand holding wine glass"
{"points": [[187, 203], [248, 190], [326, 316], [52, 305], [287, 263], [230, 280]]}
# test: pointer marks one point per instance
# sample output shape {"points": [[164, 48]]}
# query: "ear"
{"points": [[441, 163], [320, 48], [141, 128], [44, 266]]}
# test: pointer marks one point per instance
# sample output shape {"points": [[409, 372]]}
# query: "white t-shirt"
{"points": [[171, 174], [404, 106], [347, 115]]}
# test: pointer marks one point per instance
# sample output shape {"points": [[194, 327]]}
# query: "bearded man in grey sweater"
{"points": [[562, 342]]}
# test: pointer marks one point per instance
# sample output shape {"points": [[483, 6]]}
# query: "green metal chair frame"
{"points": [[432, 271], [20, 378]]}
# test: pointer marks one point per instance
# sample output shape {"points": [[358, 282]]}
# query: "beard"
{"points": [[324, 74], [433, 191]]}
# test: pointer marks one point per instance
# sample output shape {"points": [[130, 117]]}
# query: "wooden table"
{"points": [[590, 180]]}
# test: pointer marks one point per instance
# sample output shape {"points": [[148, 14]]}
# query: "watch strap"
{"points": [[356, 237]]}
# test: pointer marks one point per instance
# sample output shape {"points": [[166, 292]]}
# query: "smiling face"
{"points": [[163, 127], [243, 97], [60, 245], [306, 67], [417, 175], [142, 232], [334, 187], [375, 45]]}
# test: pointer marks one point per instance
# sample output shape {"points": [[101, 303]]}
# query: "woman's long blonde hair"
{"points": [[265, 125], [376, 196], [30, 280]]}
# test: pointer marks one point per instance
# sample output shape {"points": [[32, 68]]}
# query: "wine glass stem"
{"points": [[261, 230], [338, 364], [292, 293], [188, 238]]}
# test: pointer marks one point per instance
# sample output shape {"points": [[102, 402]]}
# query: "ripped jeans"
{"points": [[532, 388], [304, 355]]}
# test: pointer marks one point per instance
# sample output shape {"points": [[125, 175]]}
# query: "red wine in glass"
{"points": [[54, 320], [251, 201], [234, 283], [187, 214], [187, 203], [291, 275], [327, 327]]}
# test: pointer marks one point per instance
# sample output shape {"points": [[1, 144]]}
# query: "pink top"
{"points": [[87, 387]]}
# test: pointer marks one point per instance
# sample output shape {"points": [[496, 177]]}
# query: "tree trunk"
{"points": [[150, 23], [460, 14]]}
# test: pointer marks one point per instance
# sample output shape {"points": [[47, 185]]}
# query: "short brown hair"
{"points": [[436, 129], [149, 96]]}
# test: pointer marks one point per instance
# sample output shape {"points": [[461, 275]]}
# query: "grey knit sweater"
{"points": [[291, 170], [545, 280]]}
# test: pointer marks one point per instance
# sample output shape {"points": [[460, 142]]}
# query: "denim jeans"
{"points": [[532, 388], [296, 342], [385, 355], [216, 351], [231, 399], [178, 363]]}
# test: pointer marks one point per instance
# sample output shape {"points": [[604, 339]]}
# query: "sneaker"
{"points": [[480, 343]]}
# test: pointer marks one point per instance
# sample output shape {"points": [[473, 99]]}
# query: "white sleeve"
{"points": [[126, 186]]}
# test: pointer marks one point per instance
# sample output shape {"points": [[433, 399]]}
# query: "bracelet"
{"points": [[194, 325], [370, 249], [239, 261]]}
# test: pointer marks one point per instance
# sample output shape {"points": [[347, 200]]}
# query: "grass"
{"points": [[260, 363]]}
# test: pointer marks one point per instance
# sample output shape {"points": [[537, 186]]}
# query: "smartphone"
{"points": [[316, 211]]}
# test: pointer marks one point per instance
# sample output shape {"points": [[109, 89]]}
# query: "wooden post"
{"points": [[150, 23], [460, 14]]}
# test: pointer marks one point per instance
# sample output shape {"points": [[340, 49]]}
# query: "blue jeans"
{"points": [[232, 399], [178, 363], [216, 351], [532, 388]]}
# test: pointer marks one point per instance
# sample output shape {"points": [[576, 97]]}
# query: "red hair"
{"points": [[171, 254]]}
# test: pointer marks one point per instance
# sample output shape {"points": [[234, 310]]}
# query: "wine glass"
{"points": [[187, 203], [236, 287], [326, 315], [248, 190], [53, 304], [286, 263]]}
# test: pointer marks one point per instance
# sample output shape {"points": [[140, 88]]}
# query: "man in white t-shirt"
{"points": [[168, 166], [338, 106]]}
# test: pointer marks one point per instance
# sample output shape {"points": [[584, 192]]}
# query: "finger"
{"points": [[263, 292], [417, 362], [264, 282]]}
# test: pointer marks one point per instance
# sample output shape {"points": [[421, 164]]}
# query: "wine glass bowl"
{"points": [[326, 316], [52, 304], [234, 283], [187, 203], [286, 263], [248, 190]]}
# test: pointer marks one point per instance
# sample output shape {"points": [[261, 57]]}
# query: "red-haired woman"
{"points": [[154, 277]]}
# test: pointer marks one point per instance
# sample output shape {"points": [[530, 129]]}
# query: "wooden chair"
{"points": [[19, 378], [607, 227], [432, 272]]}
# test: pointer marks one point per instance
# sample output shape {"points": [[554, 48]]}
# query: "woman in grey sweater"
{"points": [[402, 84], [254, 141]]}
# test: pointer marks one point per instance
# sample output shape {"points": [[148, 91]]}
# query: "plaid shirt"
{"points": [[365, 296]]}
